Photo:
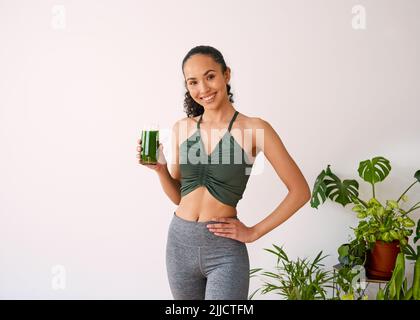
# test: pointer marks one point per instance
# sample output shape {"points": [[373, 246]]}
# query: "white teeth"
{"points": [[209, 98]]}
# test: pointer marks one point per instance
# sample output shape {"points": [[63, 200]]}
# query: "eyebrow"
{"points": [[203, 74]]}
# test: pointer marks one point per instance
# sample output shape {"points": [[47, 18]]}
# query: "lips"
{"points": [[209, 98]]}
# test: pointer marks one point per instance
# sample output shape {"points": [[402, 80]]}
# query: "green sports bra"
{"points": [[224, 172]]}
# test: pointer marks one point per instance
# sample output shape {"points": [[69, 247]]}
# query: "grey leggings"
{"points": [[201, 265]]}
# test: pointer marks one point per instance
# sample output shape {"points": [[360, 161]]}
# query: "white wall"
{"points": [[74, 93]]}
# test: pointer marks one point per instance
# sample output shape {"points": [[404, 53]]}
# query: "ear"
{"points": [[227, 75]]}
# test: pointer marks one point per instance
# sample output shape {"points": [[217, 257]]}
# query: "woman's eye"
{"points": [[193, 83]]}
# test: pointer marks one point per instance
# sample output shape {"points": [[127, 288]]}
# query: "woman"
{"points": [[206, 255]]}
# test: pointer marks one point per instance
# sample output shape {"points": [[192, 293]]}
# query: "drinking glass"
{"points": [[149, 144]]}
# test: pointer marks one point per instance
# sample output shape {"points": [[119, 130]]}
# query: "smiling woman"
{"points": [[206, 253], [192, 105]]}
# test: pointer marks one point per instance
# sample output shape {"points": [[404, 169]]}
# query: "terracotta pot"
{"points": [[381, 260]]}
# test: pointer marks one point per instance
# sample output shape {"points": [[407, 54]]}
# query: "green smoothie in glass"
{"points": [[149, 145]]}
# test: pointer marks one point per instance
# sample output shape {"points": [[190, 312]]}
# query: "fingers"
{"points": [[219, 230], [151, 166], [220, 225], [225, 234], [222, 228], [227, 227], [225, 220], [139, 150], [138, 153]]}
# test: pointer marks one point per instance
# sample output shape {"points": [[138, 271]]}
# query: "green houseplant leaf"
{"points": [[374, 170], [319, 191], [341, 192], [417, 175], [417, 237], [329, 185], [300, 279]]}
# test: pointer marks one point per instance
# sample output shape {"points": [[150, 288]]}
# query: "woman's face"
{"points": [[205, 81]]}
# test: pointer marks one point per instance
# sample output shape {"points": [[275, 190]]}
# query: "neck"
{"points": [[219, 115]]}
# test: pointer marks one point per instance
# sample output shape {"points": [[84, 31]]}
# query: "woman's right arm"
{"points": [[170, 185], [170, 181]]}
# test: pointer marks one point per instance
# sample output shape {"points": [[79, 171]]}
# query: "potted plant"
{"points": [[351, 256], [384, 229], [353, 253], [302, 279], [397, 286]]}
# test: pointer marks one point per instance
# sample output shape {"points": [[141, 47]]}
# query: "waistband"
{"points": [[196, 234]]}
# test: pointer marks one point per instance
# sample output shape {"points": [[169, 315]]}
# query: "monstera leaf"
{"points": [[341, 192], [329, 185], [318, 194], [374, 170], [417, 175]]}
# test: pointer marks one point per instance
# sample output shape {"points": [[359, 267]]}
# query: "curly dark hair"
{"points": [[191, 107]]}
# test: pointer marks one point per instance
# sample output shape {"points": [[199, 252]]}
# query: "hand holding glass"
{"points": [[149, 145]]}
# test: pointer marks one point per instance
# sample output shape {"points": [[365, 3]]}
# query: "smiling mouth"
{"points": [[209, 98]]}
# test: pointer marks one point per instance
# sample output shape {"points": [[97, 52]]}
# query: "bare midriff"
{"points": [[200, 206]]}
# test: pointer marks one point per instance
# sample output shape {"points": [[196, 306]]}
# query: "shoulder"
{"points": [[186, 121], [261, 130], [183, 128], [253, 122]]}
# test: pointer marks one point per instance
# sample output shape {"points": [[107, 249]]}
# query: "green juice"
{"points": [[149, 146]]}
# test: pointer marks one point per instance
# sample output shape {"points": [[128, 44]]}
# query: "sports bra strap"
{"points": [[233, 119], [230, 124], [199, 121]]}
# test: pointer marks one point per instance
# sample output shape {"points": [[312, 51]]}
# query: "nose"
{"points": [[204, 88]]}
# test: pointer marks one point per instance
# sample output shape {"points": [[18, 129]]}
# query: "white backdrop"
{"points": [[79, 218]]}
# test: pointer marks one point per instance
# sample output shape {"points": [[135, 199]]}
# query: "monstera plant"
{"points": [[383, 228]]}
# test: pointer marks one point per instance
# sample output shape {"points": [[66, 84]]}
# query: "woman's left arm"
{"points": [[287, 170]]}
